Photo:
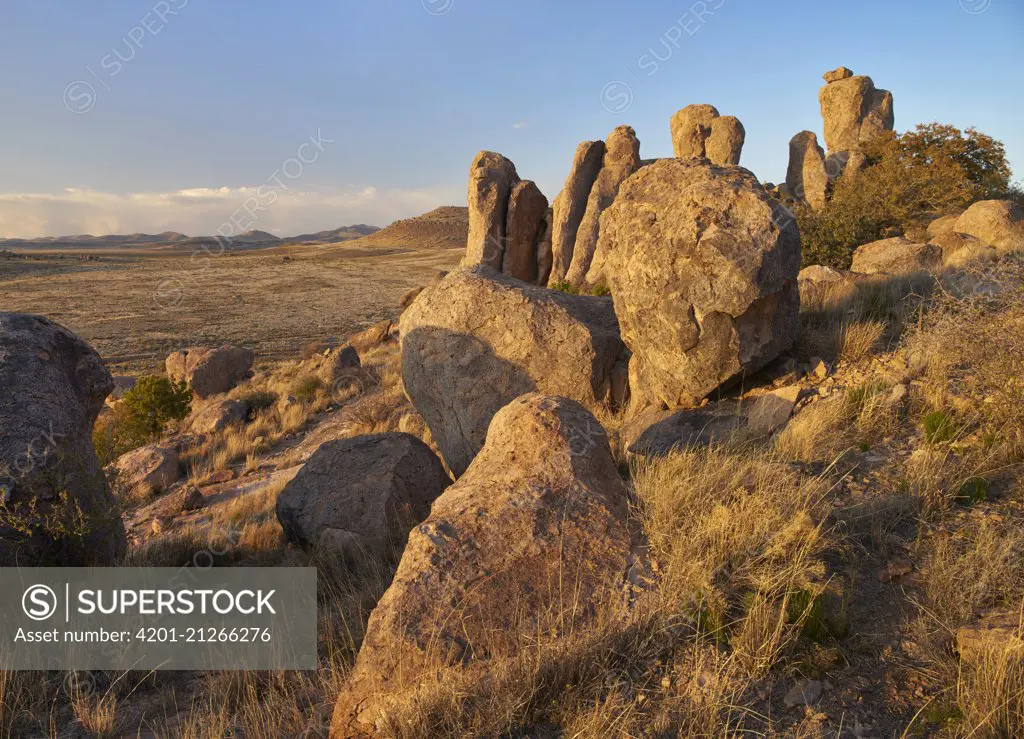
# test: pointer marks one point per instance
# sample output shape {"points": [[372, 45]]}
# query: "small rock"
{"points": [[894, 568], [819, 368], [804, 693], [772, 411], [192, 500]]}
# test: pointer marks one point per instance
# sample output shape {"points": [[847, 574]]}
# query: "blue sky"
{"points": [[214, 96]]}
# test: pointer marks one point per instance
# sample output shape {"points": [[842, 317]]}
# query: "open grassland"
{"points": [[136, 306]]}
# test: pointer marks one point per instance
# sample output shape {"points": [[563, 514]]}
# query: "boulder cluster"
{"points": [[699, 131], [854, 111]]}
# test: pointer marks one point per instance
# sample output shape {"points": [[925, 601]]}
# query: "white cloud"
{"points": [[201, 211], [522, 124]]}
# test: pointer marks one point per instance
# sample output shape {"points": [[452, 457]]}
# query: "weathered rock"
{"points": [[621, 159], [806, 176], [999, 223], [491, 179], [725, 144], [362, 493], [839, 73], [147, 471], [943, 225], [210, 371], [659, 433], [531, 541], [570, 206], [410, 296], [217, 416], [702, 265], [371, 337], [52, 388], [959, 250], [820, 285], [691, 128], [525, 228], [854, 112], [545, 258], [772, 411], [804, 693], [994, 634], [477, 340], [339, 364], [895, 256]]}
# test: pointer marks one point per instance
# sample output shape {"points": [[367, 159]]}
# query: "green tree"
{"points": [[141, 416], [908, 179]]}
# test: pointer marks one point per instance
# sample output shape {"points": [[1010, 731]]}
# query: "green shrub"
{"points": [[974, 490], [909, 179], [938, 427], [306, 388], [141, 416]]}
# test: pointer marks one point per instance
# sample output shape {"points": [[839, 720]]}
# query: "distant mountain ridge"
{"points": [[446, 227], [176, 239]]}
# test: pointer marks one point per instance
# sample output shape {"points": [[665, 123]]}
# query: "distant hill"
{"points": [[173, 239], [446, 227]]}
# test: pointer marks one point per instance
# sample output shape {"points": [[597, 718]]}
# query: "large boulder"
{"points": [[570, 206], [854, 111], [999, 223], [699, 131], [477, 340], [621, 159], [210, 371], [491, 179], [531, 541], [725, 144], [806, 176], [147, 471], [60, 508], [355, 498], [691, 128], [702, 264], [525, 228], [895, 256], [959, 250]]}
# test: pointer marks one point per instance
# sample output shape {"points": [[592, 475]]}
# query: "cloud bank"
{"points": [[202, 211]]}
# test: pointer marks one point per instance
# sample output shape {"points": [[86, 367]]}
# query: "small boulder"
{"points": [[210, 371], [371, 337], [895, 256], [725, 144], [999, 223], [959, 250], [339, 364], [818, 284], [147, 471], [943, 225], [997, 632], [806, 177], [530, 541], [216, 416], [479, 339], [839, 73], [691, 128], [52, 388], [659, 433], [804, 693], [772, 411], [366, 491]]}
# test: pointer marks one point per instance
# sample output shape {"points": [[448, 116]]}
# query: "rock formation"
{"points": [[895, 256], [52, 388], [699, 131], [210, 371], [571, 204], [806, 177], [854, 111], [491, 179], [358, 497], [530, 542], [621, 159], [702, 265], [477, 340], [216, 416], [525, 227]]}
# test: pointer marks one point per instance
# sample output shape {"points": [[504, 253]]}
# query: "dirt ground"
{"points": [[135, 306]]}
